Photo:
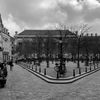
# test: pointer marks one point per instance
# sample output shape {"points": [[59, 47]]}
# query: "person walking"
{"points": [[11, 65]]}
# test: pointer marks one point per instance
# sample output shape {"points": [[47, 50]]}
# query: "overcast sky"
{"points": [[18, 15]]}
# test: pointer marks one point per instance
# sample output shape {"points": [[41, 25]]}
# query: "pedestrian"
{"points": [[11, 65]]}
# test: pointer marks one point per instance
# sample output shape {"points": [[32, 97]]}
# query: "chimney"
{"points": [[16, 32], [87, 34], [91, 34], [95, 34]]}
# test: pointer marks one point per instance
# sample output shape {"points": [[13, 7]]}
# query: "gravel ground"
{"points": [[69, 66]]}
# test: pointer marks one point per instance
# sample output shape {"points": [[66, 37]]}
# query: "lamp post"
{"points": [[78, 53], [78, 47], [47, 52], [61, 54], [60, 68]]}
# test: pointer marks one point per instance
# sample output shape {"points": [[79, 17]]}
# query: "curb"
{"points": [[59, 81]]}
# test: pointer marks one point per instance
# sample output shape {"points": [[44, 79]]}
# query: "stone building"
{"points": [[73, 44], [5, 43], [41, 38]]}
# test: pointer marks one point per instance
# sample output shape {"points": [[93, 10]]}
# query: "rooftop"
{"points": [[44, 33]]}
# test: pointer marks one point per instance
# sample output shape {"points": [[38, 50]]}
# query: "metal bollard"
{"points": [[97, 65], [57, 75], [80, 71], [73, 72], [36, 68], [94, 66], [44, 71], [32, 67], [86, 69], [39, 69], [29, 66], [90, 67]]}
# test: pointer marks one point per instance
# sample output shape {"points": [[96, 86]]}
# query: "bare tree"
{"points": [[39, 49], [80, 30], [63, 34]]}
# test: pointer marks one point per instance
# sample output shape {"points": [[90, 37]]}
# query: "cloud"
{"points": [[92, 4], [11, 25], [48, 4], [45, 13]]}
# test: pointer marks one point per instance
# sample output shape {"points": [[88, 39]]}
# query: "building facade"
{"points": [[74, 44], [43, 41], [5, 43]]}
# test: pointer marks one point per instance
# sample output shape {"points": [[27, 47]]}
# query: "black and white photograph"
{"points": [[49, 49]]}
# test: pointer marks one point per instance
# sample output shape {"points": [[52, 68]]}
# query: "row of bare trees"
{"points": [[49, 48], [37, 47], [89, 45]]}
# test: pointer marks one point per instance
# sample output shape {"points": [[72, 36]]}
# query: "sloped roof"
{"points": [[45, 32]]}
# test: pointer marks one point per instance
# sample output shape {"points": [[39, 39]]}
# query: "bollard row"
{"points": [[86, 69]]}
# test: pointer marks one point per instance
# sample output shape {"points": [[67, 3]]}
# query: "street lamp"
{"points": [[78, 48], [61, 69], [47, 52], [61, 54]]}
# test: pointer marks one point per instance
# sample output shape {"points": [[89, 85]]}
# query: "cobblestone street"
{"points": [[22, 85]]}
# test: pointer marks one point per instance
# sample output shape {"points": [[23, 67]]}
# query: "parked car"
{"points": [[3, 74]]}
